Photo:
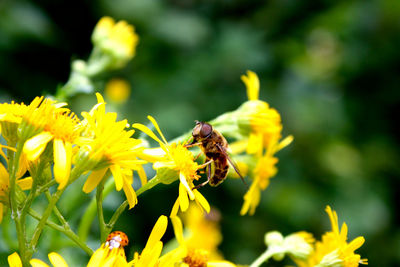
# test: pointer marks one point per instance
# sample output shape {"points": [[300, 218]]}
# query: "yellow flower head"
{"points": [[63, 128], [178, 158], [203, 231], [334, 250], [189, 256], [263, 126], [117, 39], [108, 146], [10, 117], [118, 91]]}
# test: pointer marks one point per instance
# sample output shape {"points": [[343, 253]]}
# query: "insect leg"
{"points": [[200, 185], [208, 166]]}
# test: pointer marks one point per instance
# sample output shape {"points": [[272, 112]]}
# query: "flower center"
{"points": [[196, 258]]}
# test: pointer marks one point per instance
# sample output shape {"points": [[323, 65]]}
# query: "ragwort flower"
{"points": [[108, 146], [116, 39], [176, 157], [189, 256], [10, 118], [264, 127], [63, 128], [333, 250]]}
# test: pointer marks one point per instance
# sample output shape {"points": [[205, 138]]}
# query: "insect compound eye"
{"points": [[205, 130]]}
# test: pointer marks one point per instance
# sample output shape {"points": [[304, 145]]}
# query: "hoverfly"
{"points": [[214, 146]]}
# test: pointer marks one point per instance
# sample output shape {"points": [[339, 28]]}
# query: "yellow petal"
{"points": [[97, 257], [202, 200], [14, 260], [93, 180], [178, 229], [356, 243], [150, 257], [252, 85], [183, 198], [175, 208], [147, 131], [62, 162], [130, 195], [34, 147], [220, 264], [118, 179], [142, 175], [38, 263], [255, 144], [285, 142], [4, 177], [25, 183], [157, 128], [158, 231], [184, 182], [57, 260]]}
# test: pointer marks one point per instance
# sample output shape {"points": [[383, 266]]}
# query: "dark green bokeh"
{"points": [[329, 68]]}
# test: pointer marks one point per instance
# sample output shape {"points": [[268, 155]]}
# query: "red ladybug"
{"points": [[117, 239]]}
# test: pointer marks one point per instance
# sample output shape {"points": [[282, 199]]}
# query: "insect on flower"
{"points": [[117, 239], [214, 146]]}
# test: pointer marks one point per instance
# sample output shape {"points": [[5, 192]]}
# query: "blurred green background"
{"points": [[329, 67]]}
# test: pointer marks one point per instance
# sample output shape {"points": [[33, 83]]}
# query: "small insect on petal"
{"points": [[117, 239]]}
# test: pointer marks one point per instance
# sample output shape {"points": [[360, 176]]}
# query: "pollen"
{"points": [[64, 126], [184, 161], [196, 258]]}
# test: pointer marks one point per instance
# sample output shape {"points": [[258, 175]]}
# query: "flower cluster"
{"points": [[48, 147]]}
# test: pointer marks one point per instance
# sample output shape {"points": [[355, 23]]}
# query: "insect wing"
{"points": [[223, 150]]}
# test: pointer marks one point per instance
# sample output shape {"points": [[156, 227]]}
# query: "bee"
{"points": [[117, 239], [214, 146]]}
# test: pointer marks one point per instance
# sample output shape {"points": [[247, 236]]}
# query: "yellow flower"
{"points": [[186, 256], [10, 117], [334, 250], [264, 170], [203, 231], [264, 128], [152, 251], [117, 39], [176, 157], [24, 184], [108, 146], [63, 128], [118, 91]]}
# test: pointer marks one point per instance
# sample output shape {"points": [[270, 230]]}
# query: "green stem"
{"points": [[75, 173], [43, 188], [124, 205], [263, 258], [117, 213], [15, 212], [39, 228], [90, 213], [65, 230], [100, 214]]}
